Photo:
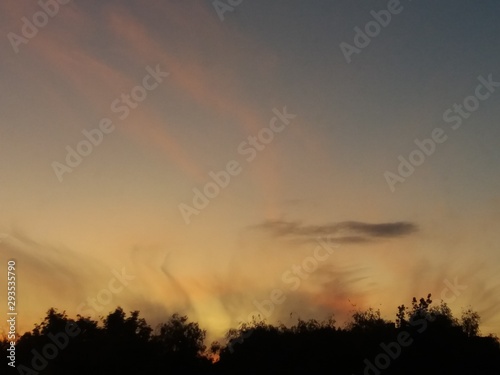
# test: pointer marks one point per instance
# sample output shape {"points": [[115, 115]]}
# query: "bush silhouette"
{"points": [[435, 342]]}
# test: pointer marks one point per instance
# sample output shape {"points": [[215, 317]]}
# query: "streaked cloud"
{"points": [[344, 232]]}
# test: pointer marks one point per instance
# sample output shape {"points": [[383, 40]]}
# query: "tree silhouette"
{"points": [[179, 345], [425, 339], [470, 322]]}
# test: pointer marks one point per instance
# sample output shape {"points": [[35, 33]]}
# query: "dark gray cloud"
{"points": [[343, 232]]}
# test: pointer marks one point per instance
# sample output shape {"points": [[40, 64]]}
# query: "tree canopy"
{"points": [[424, 339]]}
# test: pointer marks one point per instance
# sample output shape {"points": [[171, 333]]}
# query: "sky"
{"points": [[225, 159]]}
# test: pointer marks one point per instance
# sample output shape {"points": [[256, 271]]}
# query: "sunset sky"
{"points": [[179, 87]]}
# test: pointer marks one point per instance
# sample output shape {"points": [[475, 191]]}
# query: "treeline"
{"points": [[423, 340]]}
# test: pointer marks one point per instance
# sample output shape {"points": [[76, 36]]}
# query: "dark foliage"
{"points": [[424, 340]]}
